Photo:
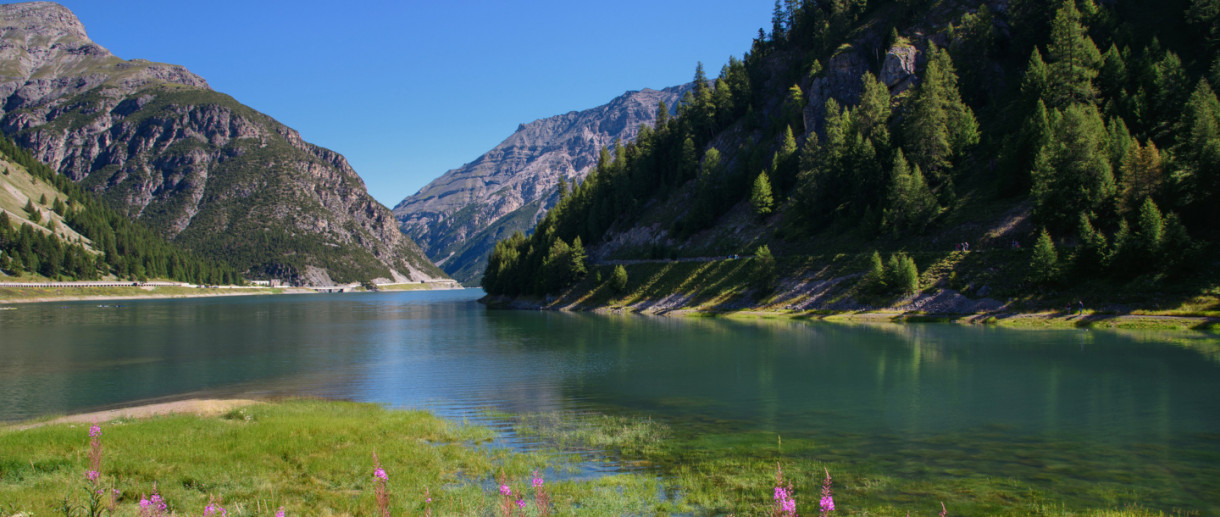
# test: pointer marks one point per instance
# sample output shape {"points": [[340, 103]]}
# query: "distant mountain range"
{"points": [[199, 167], [458, 217]]}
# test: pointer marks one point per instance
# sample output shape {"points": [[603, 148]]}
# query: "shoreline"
{"points": [[152, 295], [201, 407], [1012, 319]]}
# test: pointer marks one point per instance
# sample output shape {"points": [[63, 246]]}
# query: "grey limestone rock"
{"points": [[204, 170], [898, 70]]}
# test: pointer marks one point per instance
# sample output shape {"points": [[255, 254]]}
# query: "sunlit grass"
{"points": [[315, 458]]}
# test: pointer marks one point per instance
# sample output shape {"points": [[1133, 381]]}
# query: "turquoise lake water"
{"points": [[1095, 407]]}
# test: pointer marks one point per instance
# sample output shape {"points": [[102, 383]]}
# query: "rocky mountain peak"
{"points": [[458, 216], [45, 54], [42, 18], [213, 175]]}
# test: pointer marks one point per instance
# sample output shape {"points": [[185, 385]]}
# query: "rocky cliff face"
{"points": [[200, 167], [459, 216]]}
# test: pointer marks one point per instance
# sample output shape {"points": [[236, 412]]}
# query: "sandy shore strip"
{"points": [[198, 407], [150, 296]]}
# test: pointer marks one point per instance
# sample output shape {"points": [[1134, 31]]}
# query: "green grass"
{"points": [[315, 458], [11, 294], [312, 457]]}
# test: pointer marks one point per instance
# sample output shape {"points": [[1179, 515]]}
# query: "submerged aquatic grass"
{"points": [[313, 457]]}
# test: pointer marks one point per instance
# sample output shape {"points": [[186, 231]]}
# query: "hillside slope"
{"points": [[196, 165], [459, 216], [860, 154]]}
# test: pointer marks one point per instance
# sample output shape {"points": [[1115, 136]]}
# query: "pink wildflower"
{"points": [[505, 490], [521, 503], [95, 454], [153, 506], [214, 510], [280, 512], [537, 481], [785, 504], [827, 502], [383, 493]]}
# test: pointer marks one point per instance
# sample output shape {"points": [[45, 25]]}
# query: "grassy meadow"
{"points": [[312, 457]]}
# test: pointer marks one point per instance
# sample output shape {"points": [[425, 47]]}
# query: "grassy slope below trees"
{"points": [[69, 234], [1020, 125]]}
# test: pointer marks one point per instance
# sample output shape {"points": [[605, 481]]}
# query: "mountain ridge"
{"points": [[218, 177], [460, 214]]}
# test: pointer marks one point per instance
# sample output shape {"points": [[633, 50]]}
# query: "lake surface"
{"points": [[921, 399]]}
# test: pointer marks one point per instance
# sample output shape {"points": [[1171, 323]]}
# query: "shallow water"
{"points": [[1085, 408]]}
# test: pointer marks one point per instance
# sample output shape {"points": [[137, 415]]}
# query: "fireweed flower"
{"points": [[92, 476], [537, 481], [521, 503], [504, 490], [827, 502], [95, 431], [382, 492], [214, 510]]}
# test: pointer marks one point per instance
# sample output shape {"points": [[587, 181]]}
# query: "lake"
{"points": [[1078, 412]]}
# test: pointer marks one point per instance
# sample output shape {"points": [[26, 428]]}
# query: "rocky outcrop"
{"points": [[206, 171], [458, 217], [898, 70], [839, 80]]}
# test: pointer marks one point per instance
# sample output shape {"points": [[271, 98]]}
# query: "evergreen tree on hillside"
{"points": [[1142, 176], [1197, 153], [1044, 263], [1072, 172], [1073, 59], [761, 201], [910, 203], [939, 126]]}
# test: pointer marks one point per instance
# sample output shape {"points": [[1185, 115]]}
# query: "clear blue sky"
{"points": [[407, 90]]}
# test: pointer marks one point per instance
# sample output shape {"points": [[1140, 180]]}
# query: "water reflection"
{"points": [[1022, 399]]}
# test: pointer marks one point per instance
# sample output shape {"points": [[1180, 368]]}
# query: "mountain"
{"points": [[459, 216], [861, 153], [50, 227], [213, 175]]}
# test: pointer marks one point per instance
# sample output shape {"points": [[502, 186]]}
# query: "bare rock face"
{"points": [[206, 171], [898, 70], [839, 80], [458, 217]]}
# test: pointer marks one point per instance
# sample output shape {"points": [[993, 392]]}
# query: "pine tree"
{"points": [[871, 117], [1149, 234], [1035, 83], [785, 162], [1073, 59], [763, 276], [874, 279], [1093, 255], [1198, 151], [760, 196], [1072, 172], [1142, 176], [902, 275], [911, 204], [618, 279], [794, 107], [939, 126], [1044, 264]]}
